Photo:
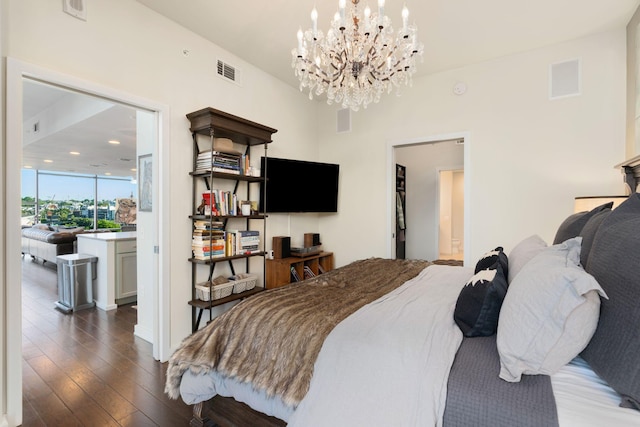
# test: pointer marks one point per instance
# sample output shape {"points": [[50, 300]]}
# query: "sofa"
{"points": [[46, 243]]}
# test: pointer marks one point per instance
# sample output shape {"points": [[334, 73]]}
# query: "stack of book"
{"points": [[222, 203], [208, 240], [242, 242], [217, 161]]}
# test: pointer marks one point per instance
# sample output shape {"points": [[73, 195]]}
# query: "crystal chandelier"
{"points": [[359, 58]]}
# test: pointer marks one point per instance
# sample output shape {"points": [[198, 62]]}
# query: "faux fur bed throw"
{"points": [[272, 339]]}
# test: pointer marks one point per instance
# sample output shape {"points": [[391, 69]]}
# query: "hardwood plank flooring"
{"points": [[87, 368]]}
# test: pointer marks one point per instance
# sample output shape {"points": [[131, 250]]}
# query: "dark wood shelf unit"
{"points": [[222, 175], [225, 125], [212, 123], [205, 304], [226, 258], [217, 217], [279, 270]]}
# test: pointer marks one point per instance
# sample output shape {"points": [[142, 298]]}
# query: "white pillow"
{"points": [[524, 252], [549, 314]]}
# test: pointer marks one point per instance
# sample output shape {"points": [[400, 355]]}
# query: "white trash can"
{"points": [[76, 273]]}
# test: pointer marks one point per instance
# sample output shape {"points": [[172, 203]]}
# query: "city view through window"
{"points": [[69, 200]]}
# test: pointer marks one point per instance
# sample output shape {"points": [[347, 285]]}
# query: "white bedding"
{"points": [[582, 398], [373, 370], [585, 400]]}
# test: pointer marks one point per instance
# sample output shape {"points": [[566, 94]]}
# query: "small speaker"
{"points": [[311, 239], [564, 79], [281, 247]]}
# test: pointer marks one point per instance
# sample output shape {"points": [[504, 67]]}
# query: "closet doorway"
{"points": [[431, 234]]}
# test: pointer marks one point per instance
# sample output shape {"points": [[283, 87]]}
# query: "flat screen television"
{"points": [[298, 186]]}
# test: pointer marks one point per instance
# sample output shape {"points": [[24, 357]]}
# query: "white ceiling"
{"points": [[93, 124], [454, 32]]}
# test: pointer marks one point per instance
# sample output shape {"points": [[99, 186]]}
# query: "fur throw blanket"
{"points": [[272, 339]]}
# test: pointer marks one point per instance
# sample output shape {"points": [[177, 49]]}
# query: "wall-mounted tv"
{"points": [[298, 186]]}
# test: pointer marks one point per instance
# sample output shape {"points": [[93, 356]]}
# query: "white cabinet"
{"points": [[116, 281], [126, 272]]}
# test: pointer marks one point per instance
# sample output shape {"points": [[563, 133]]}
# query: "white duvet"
{"points": [[388, 363]]}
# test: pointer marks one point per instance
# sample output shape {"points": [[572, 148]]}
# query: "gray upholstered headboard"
{"points": [[614, 260]]}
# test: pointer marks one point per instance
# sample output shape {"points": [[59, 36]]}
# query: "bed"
{"points": [[544, 335]]}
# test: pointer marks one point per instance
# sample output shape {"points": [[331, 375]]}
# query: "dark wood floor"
{"points": [[87, 368]]}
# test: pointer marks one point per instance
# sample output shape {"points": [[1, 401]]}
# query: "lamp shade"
{"points": [[586, 203]]}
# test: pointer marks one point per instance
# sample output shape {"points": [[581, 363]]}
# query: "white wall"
{"points": [[5, 416], [422, 162], [529, 157], [633, 111]]}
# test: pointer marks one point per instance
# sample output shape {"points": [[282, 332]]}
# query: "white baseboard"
{"points": [[106, 307], [144, 333]]}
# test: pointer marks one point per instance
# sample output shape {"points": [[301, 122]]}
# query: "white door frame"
{"points": [[16, 71], [391, 191]]}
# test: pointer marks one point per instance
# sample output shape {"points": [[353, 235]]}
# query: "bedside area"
{"points": [[116, 279]]}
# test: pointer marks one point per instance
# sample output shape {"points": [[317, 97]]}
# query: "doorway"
{"points": [[451, 214], [156, 290], [424, 159]]}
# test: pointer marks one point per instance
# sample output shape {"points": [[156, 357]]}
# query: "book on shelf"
{"points": [[217, 244], [218, 161], [205, 224], [206, 237], [221, 203], [308, 273], [294, 274]]}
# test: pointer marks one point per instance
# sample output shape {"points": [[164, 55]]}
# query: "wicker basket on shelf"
{"points": [[220, 287], [244, 282]]}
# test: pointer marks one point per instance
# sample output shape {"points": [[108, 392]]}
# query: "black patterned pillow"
{"points": [[489, 259], [478, 305]]}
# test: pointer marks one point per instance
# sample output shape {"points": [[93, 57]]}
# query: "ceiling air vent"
{"points": [[75, 8], [229, 72]]}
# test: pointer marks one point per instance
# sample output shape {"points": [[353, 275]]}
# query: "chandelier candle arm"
{"points": [[359, 58]]}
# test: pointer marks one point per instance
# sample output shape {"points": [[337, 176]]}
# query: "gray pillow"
{"points": [[549, 314], [572, 226], [614, 260], [588, 233], [524, 252]]}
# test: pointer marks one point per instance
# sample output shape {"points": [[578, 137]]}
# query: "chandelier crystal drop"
{"points": [[359, 58]]}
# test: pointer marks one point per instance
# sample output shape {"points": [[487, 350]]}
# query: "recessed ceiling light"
{"points": [[114, 142], [75, 153], [107, 173], [48, 161], [27, 167], [133, 169]]}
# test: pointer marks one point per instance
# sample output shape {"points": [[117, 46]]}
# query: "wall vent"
{"points": [[343, 120], [564, 79], [229, 72], [75, 8]]}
